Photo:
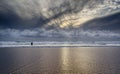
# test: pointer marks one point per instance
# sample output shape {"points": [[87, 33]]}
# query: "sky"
{"points": [[81, 19]]}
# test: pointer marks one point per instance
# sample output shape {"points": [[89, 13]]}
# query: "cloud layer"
{"points": [[40, 13], [59, 19], [42, 33]]}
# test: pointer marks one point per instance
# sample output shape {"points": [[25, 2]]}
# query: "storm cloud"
{"points": [[39, 13], [88, 19]]}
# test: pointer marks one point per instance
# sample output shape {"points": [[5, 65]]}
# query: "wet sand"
{"points": [[60, 60]]}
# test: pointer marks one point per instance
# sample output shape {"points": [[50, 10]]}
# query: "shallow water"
{"points": [[66, 60]]}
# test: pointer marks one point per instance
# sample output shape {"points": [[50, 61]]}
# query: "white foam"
{"points": [[59, 44]]}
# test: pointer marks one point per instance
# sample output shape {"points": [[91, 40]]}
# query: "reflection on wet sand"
{"points": [[83, 60], [65, 58], [78, 62]]}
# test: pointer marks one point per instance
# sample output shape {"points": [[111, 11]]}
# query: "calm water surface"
{"points": [[82, 60]]}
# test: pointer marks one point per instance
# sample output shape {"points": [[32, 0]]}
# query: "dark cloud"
{"points": [[9, 19], [31, 14], [111, 23]]}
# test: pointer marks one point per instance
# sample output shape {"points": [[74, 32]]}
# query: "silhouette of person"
{"points": [[31, 43]]}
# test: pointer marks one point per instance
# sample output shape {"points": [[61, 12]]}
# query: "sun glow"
{"points": [[65, 24], [75, 23]]}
